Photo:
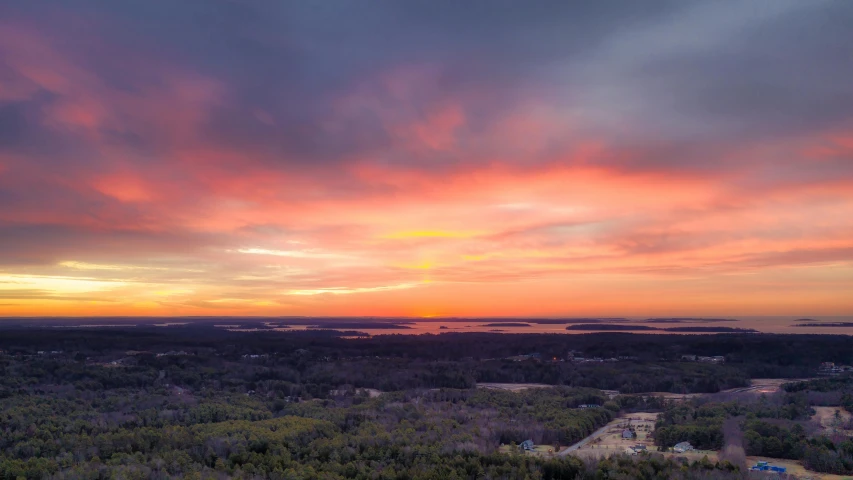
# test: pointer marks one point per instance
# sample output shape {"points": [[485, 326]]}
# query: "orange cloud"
{"points": [[441, 210]]}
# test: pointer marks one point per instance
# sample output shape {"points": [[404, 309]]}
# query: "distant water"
{"points": [[417, 326], [437, 325]]}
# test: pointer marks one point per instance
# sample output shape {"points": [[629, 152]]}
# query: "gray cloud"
{"points": [[681, 72], [27, 244]]}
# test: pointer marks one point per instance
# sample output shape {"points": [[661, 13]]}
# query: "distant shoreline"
{"points": [[646, 328], [613, 327], [827, 324], [506, 324]]}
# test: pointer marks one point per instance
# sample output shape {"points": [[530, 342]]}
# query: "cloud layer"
{"points": [[426, 158]]}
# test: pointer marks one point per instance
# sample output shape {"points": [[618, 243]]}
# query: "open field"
{"points": [[825, 416], [794, 468], [764, 385], [672, 396], [609, 439], [538, 450], [371, 392], [604, 441], [513, 387], [693, 455], [775, 382], [757, 386]]}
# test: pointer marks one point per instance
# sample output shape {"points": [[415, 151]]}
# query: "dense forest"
{"points": [[208, 403], [119, 426], [310, 363]]}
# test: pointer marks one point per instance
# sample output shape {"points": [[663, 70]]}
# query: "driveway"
{"points": [[601, 431]]}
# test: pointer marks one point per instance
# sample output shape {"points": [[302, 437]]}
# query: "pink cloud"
{"points": [[529, 213]]}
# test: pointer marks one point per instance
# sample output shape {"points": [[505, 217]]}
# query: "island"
{"points": [[827, 324], [710, 330], [689, 320]]}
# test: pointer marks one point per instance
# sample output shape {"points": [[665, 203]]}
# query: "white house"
{"points": [[682, 447]]}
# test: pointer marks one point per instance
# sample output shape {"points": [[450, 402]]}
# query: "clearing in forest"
{"points": [[611, 440], [832, 420], [513, 387], [795, 468]]}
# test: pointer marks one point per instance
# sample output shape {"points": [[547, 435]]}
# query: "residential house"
{"points": [[682, 447], [518, 358], [172, 353], [529, 356], [713, 359], [833, 369]]}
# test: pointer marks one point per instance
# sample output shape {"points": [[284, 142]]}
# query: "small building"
{"points": [[589, 405], [630, 451], [133, 353], [518, 358], [627, 433], [639, 448], [689, 358], [172, 353], [527, 445], [682, 447], [713, 359], [833, 369], [763, 466]]}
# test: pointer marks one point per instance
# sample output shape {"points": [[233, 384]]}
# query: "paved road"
{"points": [[601, 431]]}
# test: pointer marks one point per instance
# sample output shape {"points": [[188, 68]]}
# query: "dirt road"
{"points": [[601, 431], [610, 435]]}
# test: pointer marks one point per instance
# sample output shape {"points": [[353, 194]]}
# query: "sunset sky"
{"points": [[426, 158]]}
